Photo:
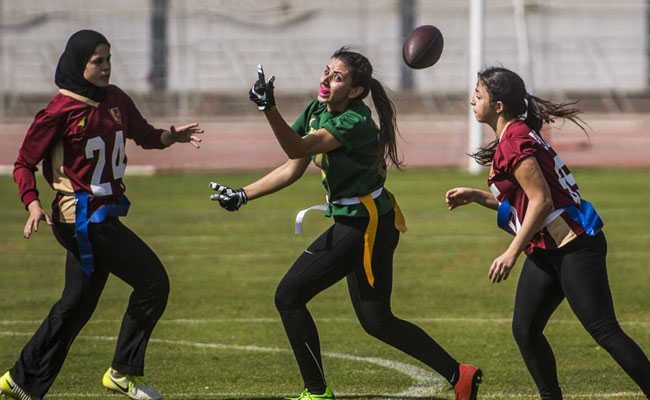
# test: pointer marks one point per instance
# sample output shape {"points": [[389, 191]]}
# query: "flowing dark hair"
{"points": [[507, 87], [361, 72]]}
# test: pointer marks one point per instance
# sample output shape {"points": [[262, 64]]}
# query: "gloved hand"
{"points": [[228, 198], [262, 91]]}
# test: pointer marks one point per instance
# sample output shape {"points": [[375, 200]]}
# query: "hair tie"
{"points": [[527, 96]]}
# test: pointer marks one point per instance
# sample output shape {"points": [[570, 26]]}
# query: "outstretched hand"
{"points": [[459, 196], [186, 133], [262, 91], [36, 215], [228, 198]]}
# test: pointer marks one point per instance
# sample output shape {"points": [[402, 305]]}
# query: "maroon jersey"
{"points": [[81, 143], [517, 142]]}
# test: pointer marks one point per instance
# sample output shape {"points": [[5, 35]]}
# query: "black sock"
{"points": [[455, 376]]}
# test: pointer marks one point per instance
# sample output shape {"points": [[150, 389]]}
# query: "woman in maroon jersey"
{"points": [[80, 138], [538, 201]]}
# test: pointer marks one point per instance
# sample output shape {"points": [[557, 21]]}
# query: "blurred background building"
{"points": [[193, 57]]}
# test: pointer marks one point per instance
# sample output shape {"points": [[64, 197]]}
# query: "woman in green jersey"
{"points": [[337, 133]]}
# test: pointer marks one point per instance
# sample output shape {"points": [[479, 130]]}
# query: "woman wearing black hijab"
{"points": [[80, 138]]}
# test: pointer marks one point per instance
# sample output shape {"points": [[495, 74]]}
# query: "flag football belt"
{"points": [[82, 220], [368, 202], [504, 222], [584, 214]]}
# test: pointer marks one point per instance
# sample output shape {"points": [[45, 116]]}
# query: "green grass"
{"points": [[224, 268]]}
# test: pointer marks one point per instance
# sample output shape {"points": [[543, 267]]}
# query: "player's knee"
{"points": [[161, 292], [154, 295], [75, 308], [77, 304], [163, 286], [605, 331], [522, 332], [287, 295], [376, 321]]}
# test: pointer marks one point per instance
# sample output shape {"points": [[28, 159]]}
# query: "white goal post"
{"points": [[476, 18]]}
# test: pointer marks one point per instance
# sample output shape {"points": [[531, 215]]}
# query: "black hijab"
{"points": [[72, 64]]}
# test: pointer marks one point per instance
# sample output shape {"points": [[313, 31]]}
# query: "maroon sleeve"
{"points": [[142, 132], [514, 147], [44, 131]]}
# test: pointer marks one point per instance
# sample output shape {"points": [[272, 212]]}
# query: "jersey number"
{"points": [[566, 179], [564, 176], [117, 163]]}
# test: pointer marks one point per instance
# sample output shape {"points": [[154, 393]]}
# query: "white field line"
{"points": [[427, 383], [192, 321], [210, 395], [501, 395], [495, 395]]}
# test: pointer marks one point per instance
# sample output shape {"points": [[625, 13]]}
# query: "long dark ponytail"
{"points": [[507, 87], [361, 71]]}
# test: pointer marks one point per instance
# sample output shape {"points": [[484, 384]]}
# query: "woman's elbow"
{"points": [[297, 153], [546, 204], [294, 170]]}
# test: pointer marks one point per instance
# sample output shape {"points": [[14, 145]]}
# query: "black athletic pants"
{"points": [[336, 254], [116, 250], [578, 272]]}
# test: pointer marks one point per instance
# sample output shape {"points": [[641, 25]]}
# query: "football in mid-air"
{"points": [[422, 47]]}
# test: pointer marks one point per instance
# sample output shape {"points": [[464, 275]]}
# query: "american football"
{"points": [[422, 47]]}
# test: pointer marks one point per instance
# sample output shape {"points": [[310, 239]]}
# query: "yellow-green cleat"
{"points": [[9, 388], [307, 395], [130, 386]]}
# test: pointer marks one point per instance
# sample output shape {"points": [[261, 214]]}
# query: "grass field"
{"points": [[221, 336]]}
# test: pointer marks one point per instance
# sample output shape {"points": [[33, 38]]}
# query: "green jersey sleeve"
{"points": [[354, 127], [343, 126], [302, 124]]}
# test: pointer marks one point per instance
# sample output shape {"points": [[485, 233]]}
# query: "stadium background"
{"points": [[196, 59], [191, 60]]}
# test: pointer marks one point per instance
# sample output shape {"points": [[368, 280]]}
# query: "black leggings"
{"points": [[578, 272], [336, 254], [119, 251]]}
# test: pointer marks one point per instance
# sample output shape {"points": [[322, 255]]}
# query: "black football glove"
{"points": [[262, 91], [228, 198]]}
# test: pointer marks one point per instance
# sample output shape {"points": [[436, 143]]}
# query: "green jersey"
{"points": [[355, 169]]}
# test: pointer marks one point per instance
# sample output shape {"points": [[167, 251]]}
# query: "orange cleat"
{"points": [[467, 386]]}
